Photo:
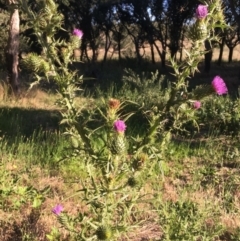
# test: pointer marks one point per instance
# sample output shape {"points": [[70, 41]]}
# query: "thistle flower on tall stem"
{"points": [[119, 127], [76, 38], [78, 33], [201, 12], [119, 143], [201, 27], [219, 85]]}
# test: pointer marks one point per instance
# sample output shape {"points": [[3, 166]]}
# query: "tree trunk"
{"points": [[138, 55], [208, 55], [12, 49], [152, 53], [107, 46], [221, 47], [230, 54], [119, 48], [94, 49], [161, 54], [236, 16]]}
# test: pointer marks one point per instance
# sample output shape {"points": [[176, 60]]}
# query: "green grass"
{"points": [[195, 169]]}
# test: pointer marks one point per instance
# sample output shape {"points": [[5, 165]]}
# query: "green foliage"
{"points": [[16, 192], [222, 114], [4, 16], [186, 220]]}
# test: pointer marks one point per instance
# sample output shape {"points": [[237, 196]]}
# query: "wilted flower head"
{"points": [[119, 126], [114, 104], [57, 209], [201, 11], [196, 104], [219, 85], [78, 33]]}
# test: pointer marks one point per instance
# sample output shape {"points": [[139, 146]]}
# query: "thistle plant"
{"points": [[116, 166], [115, 171]]}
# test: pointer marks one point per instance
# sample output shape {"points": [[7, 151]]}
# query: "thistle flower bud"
{"points": [[114, 104], [75, 42], [113, 107], [119, 142], [44, 66], [104, 233], [139, 161], [201, 29], [119, 145], [32, 62], [76, 38], [134, 182]]}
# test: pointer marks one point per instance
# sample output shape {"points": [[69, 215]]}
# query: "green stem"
{"points": [[171, 99], [86, 141]]}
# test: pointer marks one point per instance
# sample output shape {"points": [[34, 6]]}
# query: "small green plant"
{"points": [[186, 220]]}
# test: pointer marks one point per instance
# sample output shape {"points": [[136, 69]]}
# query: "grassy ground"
{"points": [[199, 190]]}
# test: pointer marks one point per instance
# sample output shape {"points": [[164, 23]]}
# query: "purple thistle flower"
{"points": [[57, 209], [119, 126], [201, 11], [219, 85], [78, 33], [196, 104]]}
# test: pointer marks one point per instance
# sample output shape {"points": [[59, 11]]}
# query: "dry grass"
{"points": [[36, 99], [146, 52]]}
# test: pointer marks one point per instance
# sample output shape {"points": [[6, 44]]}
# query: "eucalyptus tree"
{"points": [[12, 48], [178, 13], [104, 17], [120, 38], [232, 34], [232, 39], [235, 8], [4, 24], [144, 19], [127, 16], [160, 21]]}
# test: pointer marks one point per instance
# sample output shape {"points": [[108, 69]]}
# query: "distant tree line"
{"points": [[110, 22]]}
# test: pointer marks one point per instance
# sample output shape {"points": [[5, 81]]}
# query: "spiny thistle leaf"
{"points": [[51, 4], [65, 221]]}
